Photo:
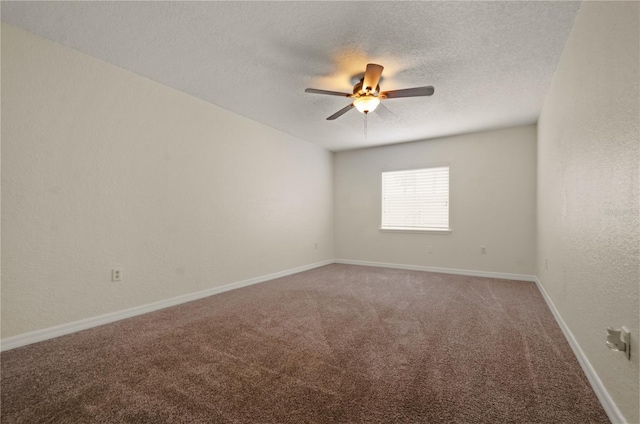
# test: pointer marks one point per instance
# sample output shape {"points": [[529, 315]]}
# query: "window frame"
{"points": [[413, 229]]}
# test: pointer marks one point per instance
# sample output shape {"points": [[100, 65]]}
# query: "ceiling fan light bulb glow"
{"points": [[366, 104]]}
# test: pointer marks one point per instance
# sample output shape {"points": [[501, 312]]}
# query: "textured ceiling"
{"points": [[490, 62]]}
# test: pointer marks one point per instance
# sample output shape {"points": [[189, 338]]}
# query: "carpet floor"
{"points": [[337, 344]]}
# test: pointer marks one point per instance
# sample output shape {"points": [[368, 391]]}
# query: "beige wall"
{"points": [[588, 239], [492, 198], [102, 168]]}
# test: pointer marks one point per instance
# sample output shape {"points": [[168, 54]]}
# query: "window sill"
{"points": [[416, 230]]}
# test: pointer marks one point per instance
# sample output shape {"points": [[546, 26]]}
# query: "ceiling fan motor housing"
{"points": [[357, 89]]}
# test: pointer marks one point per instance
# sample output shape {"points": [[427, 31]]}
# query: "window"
{"points": [[416, 199]]}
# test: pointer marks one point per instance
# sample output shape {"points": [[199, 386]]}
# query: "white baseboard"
{"points": [[72, 327], [499, 275], [84, 324], [608, 404]]}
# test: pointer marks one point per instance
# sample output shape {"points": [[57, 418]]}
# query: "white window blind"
{"points": [[416, 199]]}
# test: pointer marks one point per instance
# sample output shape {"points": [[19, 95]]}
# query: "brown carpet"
{"points": [[338, 344]]}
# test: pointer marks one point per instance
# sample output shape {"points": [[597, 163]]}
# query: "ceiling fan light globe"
{"points": [[366, 104]]}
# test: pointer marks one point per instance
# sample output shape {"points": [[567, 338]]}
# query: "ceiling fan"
{"points": [[367, 95]]}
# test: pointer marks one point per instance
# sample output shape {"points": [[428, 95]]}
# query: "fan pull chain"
{"points": [[365, 126]]}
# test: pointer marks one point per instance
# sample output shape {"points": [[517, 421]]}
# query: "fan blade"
{"points": [[384, 113], [372, 77], [330, 93], [340, 112], [408, 92]]}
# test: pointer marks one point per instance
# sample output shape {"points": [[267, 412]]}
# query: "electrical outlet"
{"points": [[619, 340], [116, 274], [483, 250]]}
